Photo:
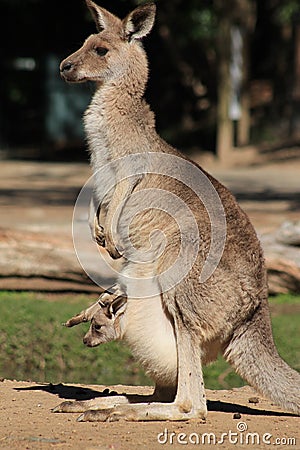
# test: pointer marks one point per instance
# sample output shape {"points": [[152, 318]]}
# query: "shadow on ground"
{"points": [[80, 393]]}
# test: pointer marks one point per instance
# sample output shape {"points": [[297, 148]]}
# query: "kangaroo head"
{"points": [[103, 323], [115, 50]]}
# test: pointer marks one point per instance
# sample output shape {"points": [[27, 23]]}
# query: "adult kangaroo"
{"points": [[195, 281]]}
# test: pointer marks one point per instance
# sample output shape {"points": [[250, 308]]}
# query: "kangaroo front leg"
{"points": [[122, 192], [97, 230], [190, 399]]}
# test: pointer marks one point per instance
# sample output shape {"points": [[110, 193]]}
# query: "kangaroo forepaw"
{"points": [[98, 233], [100, 239], [113, 252]]}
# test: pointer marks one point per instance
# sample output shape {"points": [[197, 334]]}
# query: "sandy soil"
{"points": [[26, 422]]}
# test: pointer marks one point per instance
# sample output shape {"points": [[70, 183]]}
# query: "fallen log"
{"points": [[289, 233], [42, 262], [38, 261], [283, 276], [282, 255]]}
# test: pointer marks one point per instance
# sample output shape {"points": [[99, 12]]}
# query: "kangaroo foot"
{"points": [[79, 406], [142, 412]]}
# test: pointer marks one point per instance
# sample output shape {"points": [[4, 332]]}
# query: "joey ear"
{"points": [[140, 21], [101, 16], [117, 304], [83, 316]]}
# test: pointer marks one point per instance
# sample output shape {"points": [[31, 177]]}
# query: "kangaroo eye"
{"points": [[101, 51], [97, 327]]}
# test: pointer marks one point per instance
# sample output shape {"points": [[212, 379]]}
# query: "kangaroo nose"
{"points": [[66, 66]]}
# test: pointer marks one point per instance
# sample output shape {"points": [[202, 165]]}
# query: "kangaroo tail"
{"points": [[253, 354]]}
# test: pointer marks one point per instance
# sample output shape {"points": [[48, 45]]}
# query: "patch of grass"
{"points": [[285, 299], [34, 345]]}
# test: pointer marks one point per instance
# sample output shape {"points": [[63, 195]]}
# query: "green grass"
{"points": [[34, 345]]}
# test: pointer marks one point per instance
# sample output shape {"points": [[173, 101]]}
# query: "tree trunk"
{"points": [[243, 126], [240, 14], [295, 123], [224, 142]]}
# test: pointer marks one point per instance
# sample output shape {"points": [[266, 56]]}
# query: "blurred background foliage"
{"points": [[194, 52]]}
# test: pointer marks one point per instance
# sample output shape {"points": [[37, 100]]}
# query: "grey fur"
{"points": [[228, 313]]}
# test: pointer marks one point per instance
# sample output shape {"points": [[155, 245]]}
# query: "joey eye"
{"points": [[101, 51], [97, 327]]}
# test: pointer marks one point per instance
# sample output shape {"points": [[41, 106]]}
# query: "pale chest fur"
{"points": [[95, 124], [117, 128]]}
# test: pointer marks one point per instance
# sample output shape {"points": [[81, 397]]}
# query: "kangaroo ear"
{"points": [[101, 16], [140, 21], [117, 304]]}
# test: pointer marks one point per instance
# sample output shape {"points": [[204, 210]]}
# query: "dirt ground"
{"points": [[39, 197], [26, 422]]}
